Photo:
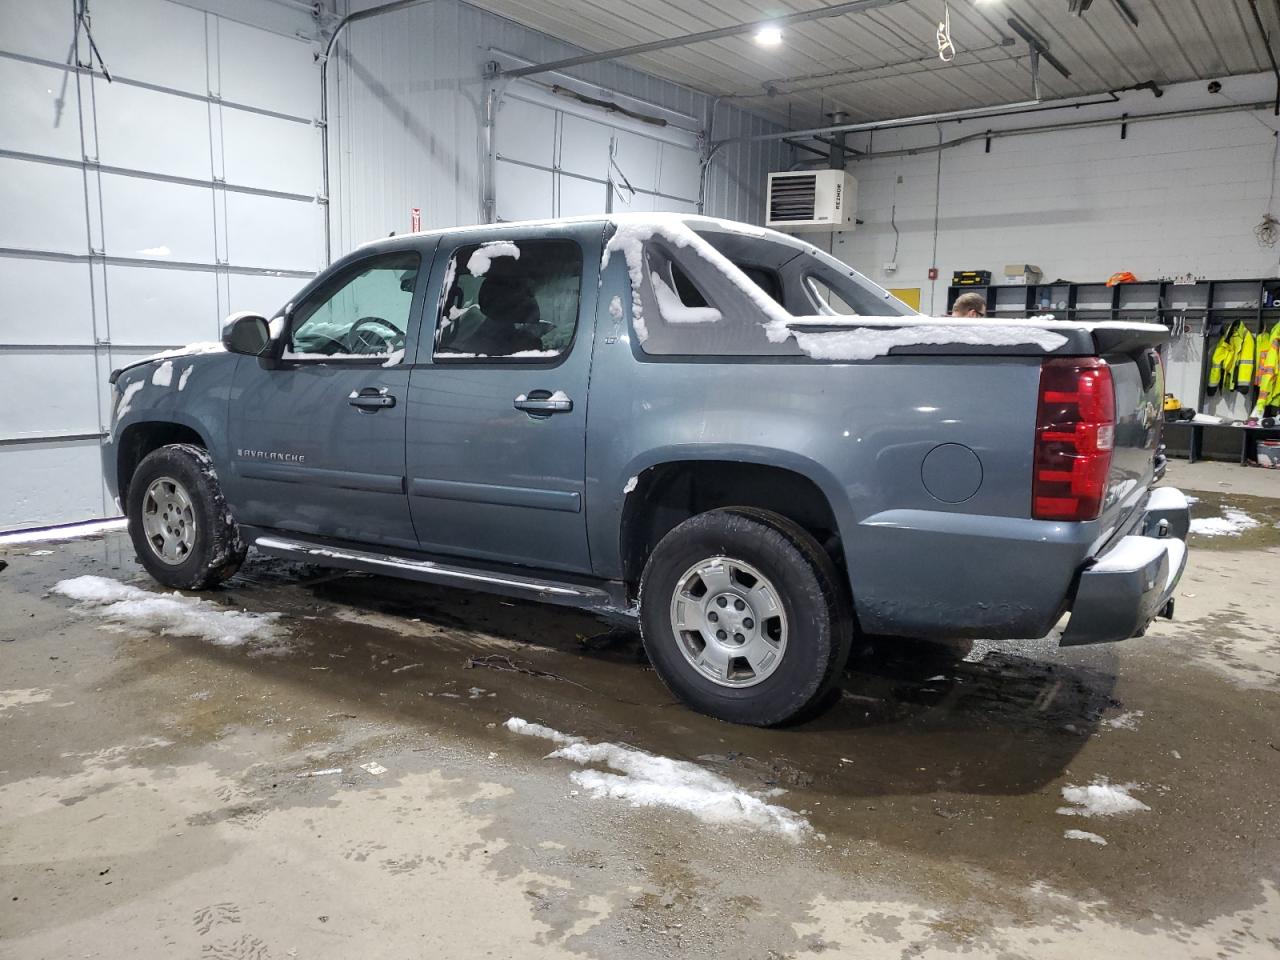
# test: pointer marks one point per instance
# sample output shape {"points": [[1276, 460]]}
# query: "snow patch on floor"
{"points": [[22, 698], [1101, 799], [647, 780], [172, 614], [1125, 721], [71, 531], [1232, 523], [1084, 835]]}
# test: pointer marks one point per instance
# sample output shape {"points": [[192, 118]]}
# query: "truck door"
{"points": [[496, 436], [317, 443]]}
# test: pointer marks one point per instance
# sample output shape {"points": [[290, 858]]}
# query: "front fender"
{"points": [[191, 391]]}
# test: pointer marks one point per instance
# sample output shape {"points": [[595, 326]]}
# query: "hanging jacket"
{"points": [[1246, 351], [1232, 366], [1268, 383]]}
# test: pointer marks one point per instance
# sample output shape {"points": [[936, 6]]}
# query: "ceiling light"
{"points": [[769, 36]]}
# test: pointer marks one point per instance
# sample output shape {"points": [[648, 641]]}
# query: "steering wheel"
{"points": [[362, 340]]}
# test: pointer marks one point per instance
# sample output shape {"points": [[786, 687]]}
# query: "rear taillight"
{"points": [[1075, 434]]}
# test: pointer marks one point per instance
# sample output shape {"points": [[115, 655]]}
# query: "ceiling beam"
{"points": [[822, 13]]}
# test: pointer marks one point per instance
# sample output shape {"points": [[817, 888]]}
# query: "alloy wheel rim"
{"points": [[169, 521], [729, 622]]}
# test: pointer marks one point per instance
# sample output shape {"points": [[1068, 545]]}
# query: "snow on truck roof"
{"points": [[619, 219]]}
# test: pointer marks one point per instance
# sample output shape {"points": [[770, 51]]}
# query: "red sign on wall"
{"points": [[415, 219]]}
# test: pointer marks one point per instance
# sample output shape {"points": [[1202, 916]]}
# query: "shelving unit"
{"points": [[1211, 304]]}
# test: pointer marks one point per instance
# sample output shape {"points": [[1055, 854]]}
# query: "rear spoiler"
{"points": [[1128, 337]]}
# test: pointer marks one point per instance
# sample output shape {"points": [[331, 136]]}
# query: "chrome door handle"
{"points": [[543, 401], [371, 399]]}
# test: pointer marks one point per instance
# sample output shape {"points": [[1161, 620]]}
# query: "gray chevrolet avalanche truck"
{"points": [[719, 431]]}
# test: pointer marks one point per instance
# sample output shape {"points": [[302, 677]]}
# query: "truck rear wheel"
{"points": [[743, 617], [180, 524]]}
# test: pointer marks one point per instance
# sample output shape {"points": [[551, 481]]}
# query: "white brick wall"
{"points": [[1177, 195]]}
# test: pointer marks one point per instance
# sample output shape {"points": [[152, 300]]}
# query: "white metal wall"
{"points": [[406, 131], [558, 159], [1160, 198], [136, 214]]}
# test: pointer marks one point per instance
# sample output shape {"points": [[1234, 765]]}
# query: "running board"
{"points": [[611, 604]]}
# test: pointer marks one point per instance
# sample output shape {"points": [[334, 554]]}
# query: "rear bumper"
{"points": [[1131, 584]]}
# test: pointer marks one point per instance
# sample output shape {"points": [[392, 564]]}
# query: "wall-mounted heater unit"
{"points": [[812, 200]]}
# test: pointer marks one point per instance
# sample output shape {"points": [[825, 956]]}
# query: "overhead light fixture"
{"points": [[769, 36]]}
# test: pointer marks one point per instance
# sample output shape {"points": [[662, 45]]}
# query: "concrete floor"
{"points": [[151, 803]]}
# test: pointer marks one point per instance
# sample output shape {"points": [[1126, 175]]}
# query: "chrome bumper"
{"points": [[1131, 584]]}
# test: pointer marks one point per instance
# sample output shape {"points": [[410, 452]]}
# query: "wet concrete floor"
{"points": [[151, 802]]}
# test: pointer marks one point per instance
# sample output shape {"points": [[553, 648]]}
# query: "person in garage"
{"points": [[969, 306]]}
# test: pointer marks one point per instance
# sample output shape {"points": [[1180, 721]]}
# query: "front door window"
{"points": [[361, 313]]}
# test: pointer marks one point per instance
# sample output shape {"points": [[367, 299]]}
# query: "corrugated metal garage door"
{"points": [[558, 159], [136, 215]]}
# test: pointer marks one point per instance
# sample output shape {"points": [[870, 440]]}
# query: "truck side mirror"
{"points": [[246, 333]]}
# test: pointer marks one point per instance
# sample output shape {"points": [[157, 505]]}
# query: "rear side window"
{"points": [[689, 309], [831, 291], [509, 300]]}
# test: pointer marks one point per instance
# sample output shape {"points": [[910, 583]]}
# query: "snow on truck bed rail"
{"points": [[855, 337]]}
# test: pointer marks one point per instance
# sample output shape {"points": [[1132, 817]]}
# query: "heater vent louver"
{"points": [[812, 200]]}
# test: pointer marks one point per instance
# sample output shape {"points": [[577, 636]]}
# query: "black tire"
{"points": [[217, 549], [818, 615]]}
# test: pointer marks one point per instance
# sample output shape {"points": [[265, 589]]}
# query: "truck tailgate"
{"points": [[1137, 375]]}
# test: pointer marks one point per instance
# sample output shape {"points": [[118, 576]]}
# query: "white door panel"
{"points": [[58, 391], [94, 316], [679, 172], [522, 192], [626, 202], [52, 483], [271, 232], [42, 207], [263, 295], [270, 153], [637, 157], [152, 40], [45, 301], [580, 198], [525, 131], [158, 307], [584, 146], [156, 221], [268, 70], [43, 30], [142, 129], [32, 120]]}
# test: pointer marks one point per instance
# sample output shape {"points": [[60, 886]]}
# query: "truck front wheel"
{"points": [[179, 522], [743, 617]]}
